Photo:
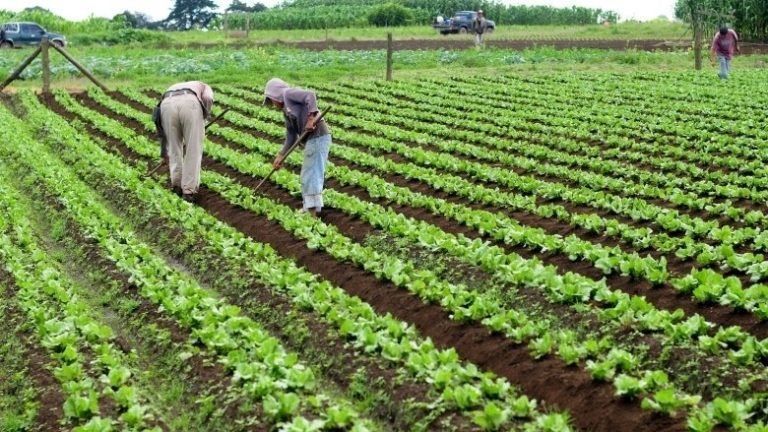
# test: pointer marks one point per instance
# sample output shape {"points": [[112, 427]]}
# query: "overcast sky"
{"points": [[159, 9]]}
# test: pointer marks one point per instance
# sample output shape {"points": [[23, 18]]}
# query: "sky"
{"points": [[158, 9]]}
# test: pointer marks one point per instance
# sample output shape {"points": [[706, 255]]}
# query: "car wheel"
{"points": [[58, 43], [490, 29], [463, 30], [5, 44]]}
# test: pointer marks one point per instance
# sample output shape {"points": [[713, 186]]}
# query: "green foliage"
{"points": [[55, 23], [669, 402], [319, 17], [389, 15], [491, 418]]}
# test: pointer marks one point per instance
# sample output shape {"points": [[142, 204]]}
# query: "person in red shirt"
{"points": [[724, 45]]}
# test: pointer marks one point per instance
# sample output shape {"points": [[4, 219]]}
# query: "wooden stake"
{"points": [[46, 65], [20, 69], [389, 56], [697, 45], [80, 67]]}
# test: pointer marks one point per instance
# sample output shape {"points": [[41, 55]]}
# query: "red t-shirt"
{"points": [[725, 45]]}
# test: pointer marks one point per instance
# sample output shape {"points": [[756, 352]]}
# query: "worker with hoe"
{"points": [[724, 45], [183, 111], [479, 26], [299, 109]]}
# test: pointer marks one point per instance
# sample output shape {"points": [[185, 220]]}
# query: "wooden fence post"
{"points": [[389, 56], [698, 44], [46, 65], [20, 69]]}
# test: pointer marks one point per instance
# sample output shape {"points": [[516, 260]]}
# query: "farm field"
{"points": [[570, 251]]}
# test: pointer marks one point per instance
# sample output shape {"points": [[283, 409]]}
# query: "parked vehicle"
{"points": [[17, 34], [461, 22]]}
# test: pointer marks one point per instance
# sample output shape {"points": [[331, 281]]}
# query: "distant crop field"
{"points": [[575, 251]]}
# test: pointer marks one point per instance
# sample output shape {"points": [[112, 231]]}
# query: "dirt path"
{"points": [[456, 42]]}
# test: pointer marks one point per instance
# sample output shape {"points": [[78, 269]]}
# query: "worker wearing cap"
{"points": [[299, 109], [184, 109], [479, 26], [724, 45]]}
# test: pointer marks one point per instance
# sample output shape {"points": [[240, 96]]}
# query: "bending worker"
{"points": [[184, 110], [299, 109], [724, 45]]}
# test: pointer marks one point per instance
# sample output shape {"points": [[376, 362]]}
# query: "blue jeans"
{"points": [[725, 67], [313, 171]]}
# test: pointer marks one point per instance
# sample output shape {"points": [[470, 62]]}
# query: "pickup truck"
{"points": [[17, 34], [461, 22]]}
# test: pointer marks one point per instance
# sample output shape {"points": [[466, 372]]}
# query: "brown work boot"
{"points": [[192, 198]]}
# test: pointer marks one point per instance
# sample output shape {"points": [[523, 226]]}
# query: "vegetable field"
{"points": [[533, 253]]}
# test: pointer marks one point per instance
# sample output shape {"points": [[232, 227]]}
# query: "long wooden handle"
{"points": [[154, 170], [217, 118], [304, 134]]}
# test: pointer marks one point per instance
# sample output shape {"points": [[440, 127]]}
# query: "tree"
{"points": [[133, 19], [238, 6], [609, 16], [189, 13], [36, 9], [389, 14]]}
